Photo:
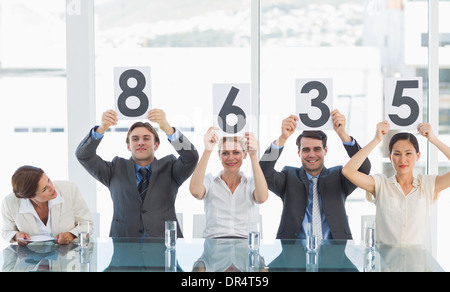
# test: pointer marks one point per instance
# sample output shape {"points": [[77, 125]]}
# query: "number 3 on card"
{"points": [[403, 101], [314, 103]]}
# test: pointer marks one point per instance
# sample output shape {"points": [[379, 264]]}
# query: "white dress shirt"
{"points": [[229, 214], [27, 207], [403, 219]]}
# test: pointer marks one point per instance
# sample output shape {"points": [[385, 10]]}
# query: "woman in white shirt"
{"points": [[39, 207], [403, 201], [230, 199]]}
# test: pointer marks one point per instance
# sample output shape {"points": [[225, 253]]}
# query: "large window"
{"points": [[356, 43], [443, 214], [323, 39], [32, 88], [190, 47]]}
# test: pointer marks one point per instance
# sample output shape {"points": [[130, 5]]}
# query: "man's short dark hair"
{"points": [[143, 125], [318, 135]]}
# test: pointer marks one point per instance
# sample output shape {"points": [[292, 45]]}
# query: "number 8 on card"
{"points": [[132, 92]]}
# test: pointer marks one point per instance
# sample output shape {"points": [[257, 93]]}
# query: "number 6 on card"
{"points": [[314, 102], [403, 100], [231, 107]]}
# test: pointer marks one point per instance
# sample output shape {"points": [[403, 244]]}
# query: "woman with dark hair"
{"points": [[403, 201], [38, 206]]}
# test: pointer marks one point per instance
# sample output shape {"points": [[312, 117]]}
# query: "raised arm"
{"points": [[109, 118], [261, 192], [86, 152], [159, 116], [196, 187], [276, 180], [339, 124], [350, 170], [442, 181], [288, 127]]}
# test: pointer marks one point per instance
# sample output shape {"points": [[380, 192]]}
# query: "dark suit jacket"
{"points": [[292, 185], [131, 216]]}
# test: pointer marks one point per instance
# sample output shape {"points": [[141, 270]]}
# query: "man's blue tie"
{"points": [[143, 185]]}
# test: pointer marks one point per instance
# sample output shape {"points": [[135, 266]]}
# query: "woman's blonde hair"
{"points": [[236, 139]]}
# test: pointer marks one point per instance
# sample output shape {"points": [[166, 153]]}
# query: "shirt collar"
{"points": [[393, 180], [310, 176], [243, 177], [27, 207], [137, 167]]}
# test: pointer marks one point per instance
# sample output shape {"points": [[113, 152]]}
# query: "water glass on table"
{"points": [[170, 227], [254, 239], [369, 234], [84, 233], [312, 241]]}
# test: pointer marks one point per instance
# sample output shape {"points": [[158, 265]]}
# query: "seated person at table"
{"points": [[231, 198], [38, 206], [295, 186], [403, 201]]}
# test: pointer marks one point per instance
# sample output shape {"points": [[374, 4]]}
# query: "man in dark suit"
{"points": [[295, 188], [143, 188]]}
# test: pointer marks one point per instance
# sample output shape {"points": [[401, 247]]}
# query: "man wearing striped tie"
{"points": [[143, 188], [312, 193]]}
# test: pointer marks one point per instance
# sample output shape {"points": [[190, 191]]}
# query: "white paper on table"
{"points": [[39, 238]]}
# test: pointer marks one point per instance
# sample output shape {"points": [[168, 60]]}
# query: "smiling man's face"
{"points": [[312, 155]]}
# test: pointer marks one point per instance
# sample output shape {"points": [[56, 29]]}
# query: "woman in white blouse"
{"points": [[230, 198], [403, 201], [39, 207]]}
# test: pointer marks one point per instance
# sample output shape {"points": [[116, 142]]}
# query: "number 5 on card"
{"points": [[403, 102]]}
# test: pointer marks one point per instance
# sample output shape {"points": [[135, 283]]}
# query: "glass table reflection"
{"points": [[213, 255]]}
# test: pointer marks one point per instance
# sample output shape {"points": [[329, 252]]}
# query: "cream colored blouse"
{"points": [[403, 219]]}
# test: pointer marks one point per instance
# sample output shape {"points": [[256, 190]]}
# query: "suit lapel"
{"points": [[29, 219], [302, 175], [321, 183], [303, 178], [55, 212], [155, 168], [131, 173]]}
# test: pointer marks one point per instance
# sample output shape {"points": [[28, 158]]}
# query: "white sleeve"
{"points": [[207, 182]]}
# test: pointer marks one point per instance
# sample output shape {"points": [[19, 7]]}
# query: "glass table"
{"points": [[213, 255]]}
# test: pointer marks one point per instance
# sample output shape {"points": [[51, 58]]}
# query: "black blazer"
{"points": [[292, 185]]}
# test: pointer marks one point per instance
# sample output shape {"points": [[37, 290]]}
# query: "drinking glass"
{"points": [[312, 242], [254, 238], [170, 233], [369, 234], [84, 232]]}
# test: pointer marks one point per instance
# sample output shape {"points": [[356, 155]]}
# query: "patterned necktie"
{"points": [[143, 185], [316, 216]]}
